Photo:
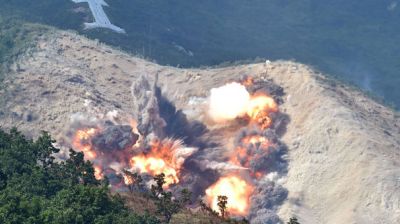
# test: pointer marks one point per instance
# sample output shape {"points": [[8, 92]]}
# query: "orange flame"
{"points": [[154, 166], [127, 179], [160, 159], [243, 157], [259, 109], [236, 189], [81, 142], [98, 173], [248, 81], [232, 101], [256, 139]]}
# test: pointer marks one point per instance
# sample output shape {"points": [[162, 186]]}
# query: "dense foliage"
{"points": [[35, 189]]}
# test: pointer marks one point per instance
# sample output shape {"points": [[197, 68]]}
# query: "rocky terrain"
{"points": [[343, 147]]}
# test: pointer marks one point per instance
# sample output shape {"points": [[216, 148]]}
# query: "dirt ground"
{"points": [[344, 148]]}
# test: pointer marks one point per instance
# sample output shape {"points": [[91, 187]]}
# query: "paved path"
{"points": [[101, 18]]}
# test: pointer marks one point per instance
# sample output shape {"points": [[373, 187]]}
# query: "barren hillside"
{"points": [[343, 147]]}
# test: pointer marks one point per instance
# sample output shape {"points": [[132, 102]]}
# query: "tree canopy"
{"points": [[35, 189]]}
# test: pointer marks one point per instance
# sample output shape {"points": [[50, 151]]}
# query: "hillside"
{"points": [[354, 41], [343, 147]]}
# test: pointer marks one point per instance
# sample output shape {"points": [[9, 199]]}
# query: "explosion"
{"points": [[98, 173], [228, 102], [232, 101], [166, 156], [146, 144], [248, 81], [249, 149], [82, 141], [236, 189], [259, 109], [255, 139]]}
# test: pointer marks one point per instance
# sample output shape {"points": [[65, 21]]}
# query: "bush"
{"points": [[35, 189]]}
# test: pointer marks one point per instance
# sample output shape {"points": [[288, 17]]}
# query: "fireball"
{"points": [[128, 180], [259, 108], [228, 102], [236, 189], [155, 166], [98, 173], [232, 101], [81, 142], [249, 150], [166, 157], [255, 139], [248, 81]]}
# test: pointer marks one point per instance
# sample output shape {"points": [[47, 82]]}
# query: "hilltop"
{"points": [[343, 147]]}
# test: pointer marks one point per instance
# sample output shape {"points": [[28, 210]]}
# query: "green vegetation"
{"points": [[15, 38], [355, 41], [35, 189], [166, 204]]}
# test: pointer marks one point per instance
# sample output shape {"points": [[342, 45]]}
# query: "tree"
{"points": [[293, 221], [35, 189], [185, 196], [207, 208], [222, 202], [166, 204], [157, 189], [44, 150], [77, 170], [135, 181]]}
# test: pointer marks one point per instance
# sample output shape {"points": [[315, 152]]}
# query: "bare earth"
{"points": [[344, 148]]}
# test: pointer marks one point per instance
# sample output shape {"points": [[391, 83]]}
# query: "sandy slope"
{"points": [[344, 148]]}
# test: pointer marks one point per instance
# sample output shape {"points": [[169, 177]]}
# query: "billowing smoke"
{"points": [[259, 150], [238, 155], [256, 149], [146, 109], [267, 196], [114, 137]]}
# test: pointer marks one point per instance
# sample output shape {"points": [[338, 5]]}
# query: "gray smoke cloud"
{"points": [[145, 108], [203, 159], [266, 157], [266, 198], [114, 137]]}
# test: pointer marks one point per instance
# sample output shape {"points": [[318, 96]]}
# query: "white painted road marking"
{"points": [[101, 18]]}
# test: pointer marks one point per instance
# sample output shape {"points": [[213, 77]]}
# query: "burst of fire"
{"points": [[133, 123], [243, 156], [248, 81], [127, 179], [233, 100], [154, 166], [236, 189], [98, 173], [165, 156], [259, 109], [81, 142], [228, 102], [256, 139]]}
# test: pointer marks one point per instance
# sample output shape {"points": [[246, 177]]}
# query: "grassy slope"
{"points": [[141, 205], [356, 41], [15, 38]]}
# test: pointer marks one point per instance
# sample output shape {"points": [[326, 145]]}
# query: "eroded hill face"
{"points": [[343, 148]]}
